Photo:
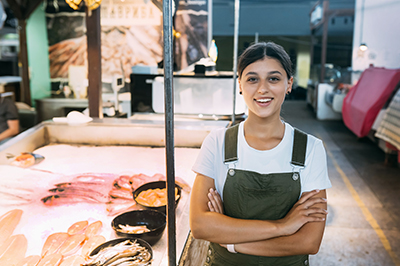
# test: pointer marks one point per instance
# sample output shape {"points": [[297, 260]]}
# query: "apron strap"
{"points": [[299, 148], [298, 153], [231, 137]]}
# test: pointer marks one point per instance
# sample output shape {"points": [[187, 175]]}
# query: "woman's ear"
{"points": [[290, 85]]}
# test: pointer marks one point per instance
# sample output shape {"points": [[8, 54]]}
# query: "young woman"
{"points": [[259, 195]]}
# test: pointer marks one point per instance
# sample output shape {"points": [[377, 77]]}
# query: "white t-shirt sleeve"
{"points": [[205, 162], [315, 174]]}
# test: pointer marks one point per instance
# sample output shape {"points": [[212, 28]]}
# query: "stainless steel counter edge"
{"points": [[109, 132]]}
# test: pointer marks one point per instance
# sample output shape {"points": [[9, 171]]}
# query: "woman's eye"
{"points": [[275, 79], [252, 79]]}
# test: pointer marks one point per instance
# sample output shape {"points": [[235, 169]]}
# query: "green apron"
{"points": [[251, 195]]}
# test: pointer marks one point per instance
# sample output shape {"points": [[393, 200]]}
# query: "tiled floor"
{"points": [[363, 226]]}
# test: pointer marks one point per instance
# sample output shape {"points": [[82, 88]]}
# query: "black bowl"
{"points": [[114, 242], [154, 185], [154, 220]]}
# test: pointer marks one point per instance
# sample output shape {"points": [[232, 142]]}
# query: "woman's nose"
{"points": [[263, 87]]}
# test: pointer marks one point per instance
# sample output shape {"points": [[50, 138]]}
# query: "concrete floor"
{"points": [[363, 226]]}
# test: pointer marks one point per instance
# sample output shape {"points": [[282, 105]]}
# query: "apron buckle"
{"points": [[295, 176], [231, 172]]}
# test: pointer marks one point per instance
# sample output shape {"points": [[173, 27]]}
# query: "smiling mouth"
{"points": [[263, 100]]}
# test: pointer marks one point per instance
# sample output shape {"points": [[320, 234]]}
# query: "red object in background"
{"points": [[365, 99]]}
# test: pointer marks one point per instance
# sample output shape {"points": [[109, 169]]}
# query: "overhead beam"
{"points": [[16, 9], [31, 7]]}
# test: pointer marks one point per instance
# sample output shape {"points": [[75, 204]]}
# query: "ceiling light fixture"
{"points": [[363, 46]]}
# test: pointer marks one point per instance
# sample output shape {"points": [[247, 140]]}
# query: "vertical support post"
{"points": [[324, 39], [209, 25], [169, 129], [24, 64], [235, 54], [93, 34]]}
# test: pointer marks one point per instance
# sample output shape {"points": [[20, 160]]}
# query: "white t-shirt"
{"points": [[314, 175]]}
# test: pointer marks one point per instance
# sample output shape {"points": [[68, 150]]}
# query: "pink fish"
{"points": [[93, 229], [140, 179], [77, 227], [121, 193], [71, 245], [123, 182], [8, 223], [117, 208], [51, 260], [53, 243], [29, 261], [95, 177], [91, 244], [13, 250], [70, 198], [75, 260]]}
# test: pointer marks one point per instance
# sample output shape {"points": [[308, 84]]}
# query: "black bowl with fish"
{"points": [[118, 250], [148, 225], [152, 189]]}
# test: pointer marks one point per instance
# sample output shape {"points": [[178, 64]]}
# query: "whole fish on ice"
{"points": [[8, 223], [13, 250], [25, 159]]}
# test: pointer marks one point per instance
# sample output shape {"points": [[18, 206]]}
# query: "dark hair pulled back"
{"points": [[259, 51]]}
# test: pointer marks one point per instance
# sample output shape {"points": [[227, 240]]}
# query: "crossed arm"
{"points": [[299, 232]]}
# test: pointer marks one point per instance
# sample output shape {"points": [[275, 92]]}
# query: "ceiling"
{"points": [[333, 3]]}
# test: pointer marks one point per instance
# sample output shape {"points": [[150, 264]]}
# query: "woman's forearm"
{"points": [[306, 241], [226, 230], [219, 228]]}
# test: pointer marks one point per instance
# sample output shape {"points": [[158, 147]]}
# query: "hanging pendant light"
{"points": [[363, 46]]}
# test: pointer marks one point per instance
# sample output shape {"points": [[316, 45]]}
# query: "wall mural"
{"points": [[131, 34], [191, 23]]}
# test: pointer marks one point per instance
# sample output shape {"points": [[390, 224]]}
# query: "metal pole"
{"points": [[169, 129], [235, 52], [93, 33], [209, 22], [324, 40]]}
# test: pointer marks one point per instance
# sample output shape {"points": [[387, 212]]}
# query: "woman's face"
{"points": [[264, 84]]}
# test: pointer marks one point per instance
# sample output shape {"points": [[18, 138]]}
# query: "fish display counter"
{"points": [[56, 209]]}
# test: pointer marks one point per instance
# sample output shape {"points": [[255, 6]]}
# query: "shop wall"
{"points": [[266, 19], [379, 29], [292, 44], [131, 34], [38, 55], [269, 19], [287, 24]]}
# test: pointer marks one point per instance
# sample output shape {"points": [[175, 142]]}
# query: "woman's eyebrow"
{"points": [[251, 73], [269, 73], [275, 72]]}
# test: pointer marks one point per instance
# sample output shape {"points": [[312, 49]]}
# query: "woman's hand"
{"points": [[215, 205], [215, 202], [303, 212]]}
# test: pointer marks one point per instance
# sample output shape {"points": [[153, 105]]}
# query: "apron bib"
{"points": [[251, 195]]}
